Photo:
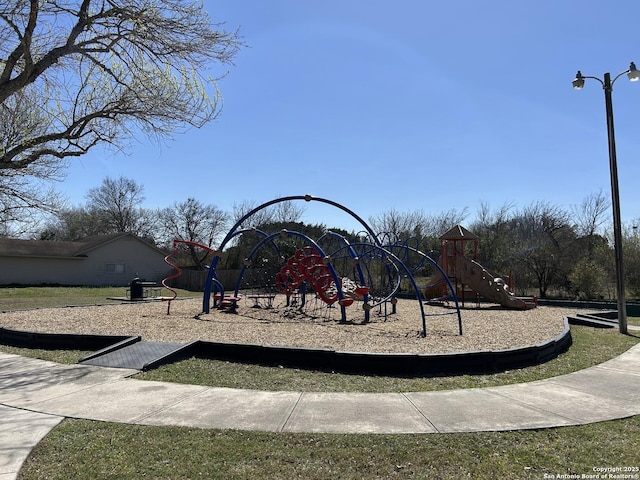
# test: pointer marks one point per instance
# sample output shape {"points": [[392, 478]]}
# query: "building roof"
{"points": [[13, 247]]}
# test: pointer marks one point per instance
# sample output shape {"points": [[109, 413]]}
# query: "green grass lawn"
{"points": [[80, 449], [633, 321], [20, 298], [590, 347], [94, 450]]}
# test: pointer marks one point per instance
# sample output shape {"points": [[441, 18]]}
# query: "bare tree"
{"points": [[194, 222], [239, 210], [496, 239], [288, 211], [113, 207], [399, 226], [70, 224], [282, 212], [590, 214], [544, 236], [118, 203], [19, 194], [22, 203], [439, 223], [76, 74]]}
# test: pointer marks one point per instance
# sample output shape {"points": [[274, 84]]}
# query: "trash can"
{"points": [[136, 290]]}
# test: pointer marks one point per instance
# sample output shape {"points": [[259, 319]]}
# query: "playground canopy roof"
{"points": [[457, 233]]}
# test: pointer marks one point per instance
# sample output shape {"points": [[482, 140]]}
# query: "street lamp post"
{"points": [[607, 84]]}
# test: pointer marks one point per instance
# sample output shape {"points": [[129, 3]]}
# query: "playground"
{"points": [[486, 328], [337, 297], [349, 279]]}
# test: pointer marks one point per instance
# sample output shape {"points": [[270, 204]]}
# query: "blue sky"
{"points": [[406, 105]]}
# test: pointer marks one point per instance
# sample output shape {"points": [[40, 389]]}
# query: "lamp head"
{"points": [[633, 73], [578, 82]]}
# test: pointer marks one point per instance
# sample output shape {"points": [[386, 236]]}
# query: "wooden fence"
{"points": [[194, 280]]}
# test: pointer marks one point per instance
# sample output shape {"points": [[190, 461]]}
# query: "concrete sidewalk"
{"points": [[36, 395]]}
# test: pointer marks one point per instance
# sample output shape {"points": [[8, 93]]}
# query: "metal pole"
{"points": [[615, 203]]}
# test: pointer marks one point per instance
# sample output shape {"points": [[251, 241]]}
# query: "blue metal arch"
{"points": [[307, 198], [354, 256], [234, 232], [212, 280], [446, 279], [396, 260]]}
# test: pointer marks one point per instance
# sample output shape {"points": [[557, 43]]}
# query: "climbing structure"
{"points": [[338, 273], [307, 266]]}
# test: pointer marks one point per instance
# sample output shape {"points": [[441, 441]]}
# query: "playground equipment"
{"points": [[458, 253], [332, 274], [335, 273], [178, 270]]}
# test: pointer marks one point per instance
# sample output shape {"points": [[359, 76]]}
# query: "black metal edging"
{"points": [[402, 364], [405, 364], [56, 341], [600, 319], [633, 307]]}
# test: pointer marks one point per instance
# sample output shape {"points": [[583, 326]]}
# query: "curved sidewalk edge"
{"points": [[20, 431], [35, 395]]}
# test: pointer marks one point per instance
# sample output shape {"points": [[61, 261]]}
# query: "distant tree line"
{"points": [[547, 250]]}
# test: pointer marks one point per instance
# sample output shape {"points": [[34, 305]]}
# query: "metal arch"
{"points": [[354, 256], [266, 238], [332, 272], [231, 234], [306, 198], [352, 252], [446, 279], [403, 251], [366, 252], [212, 280], [395, 259], [415, 286]]}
